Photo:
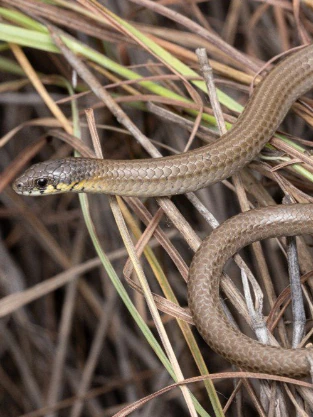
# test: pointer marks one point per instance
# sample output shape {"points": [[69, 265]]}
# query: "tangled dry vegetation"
{"points": [[84, 332]]}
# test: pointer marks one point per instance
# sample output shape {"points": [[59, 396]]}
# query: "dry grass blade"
{"points": [[21, 57], [127, 410], [126, 75]]}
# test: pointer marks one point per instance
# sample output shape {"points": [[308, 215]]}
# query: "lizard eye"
{"points": [[42, 182]]}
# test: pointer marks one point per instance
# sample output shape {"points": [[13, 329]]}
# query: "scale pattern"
{"points": [[196, 169], [204, 280]]}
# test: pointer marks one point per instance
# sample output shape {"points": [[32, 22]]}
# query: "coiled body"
{"points": [[194, 170], [204, 279]]}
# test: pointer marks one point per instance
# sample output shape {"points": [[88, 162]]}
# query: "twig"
{"points": [[295, 287]]}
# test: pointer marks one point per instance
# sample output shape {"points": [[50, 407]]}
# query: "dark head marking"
{"points": [[45, 178]]}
